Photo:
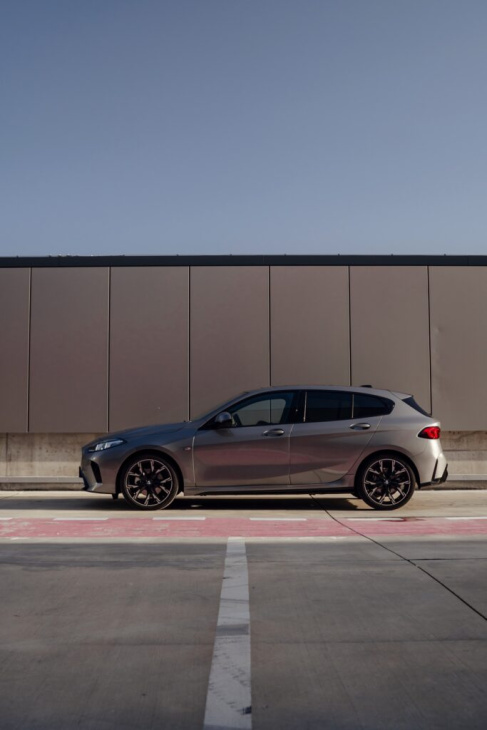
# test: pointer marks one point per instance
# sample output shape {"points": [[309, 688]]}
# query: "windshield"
{"points": [[220, 407]]}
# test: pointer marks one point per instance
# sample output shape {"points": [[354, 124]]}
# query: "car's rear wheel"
{"points": [[149, 482], [386, 482]]}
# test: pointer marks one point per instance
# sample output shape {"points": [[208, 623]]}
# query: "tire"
{"points": [[149, 482], [385, 482]]}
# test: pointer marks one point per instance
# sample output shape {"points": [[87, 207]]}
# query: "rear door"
{"points": [[336, 428]]}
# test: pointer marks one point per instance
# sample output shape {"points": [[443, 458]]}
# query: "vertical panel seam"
{"points": [[270, 325], [349, 327], [189, 344], [109, 344], [29, 345], [429, 340]]}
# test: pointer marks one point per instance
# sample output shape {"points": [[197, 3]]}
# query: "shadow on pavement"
{"points": [[105, 503]]}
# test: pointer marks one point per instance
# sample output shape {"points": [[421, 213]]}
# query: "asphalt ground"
{"points": [[280, 613]]}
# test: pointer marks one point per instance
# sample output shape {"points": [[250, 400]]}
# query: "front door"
{"points": [[254, 451]]}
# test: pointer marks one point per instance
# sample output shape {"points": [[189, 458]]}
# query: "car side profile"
{"points": [[375, 444]]}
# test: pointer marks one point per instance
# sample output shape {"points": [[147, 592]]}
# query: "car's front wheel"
{"points": [[149, 482], [386, 482]]}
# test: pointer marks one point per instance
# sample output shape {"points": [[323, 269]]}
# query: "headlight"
{"points": [[108, 444]]}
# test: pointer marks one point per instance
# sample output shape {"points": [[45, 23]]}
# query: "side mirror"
{"points": [[223, 420]]}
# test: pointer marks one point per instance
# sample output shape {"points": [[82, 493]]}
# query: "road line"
{"points": [[372, 519], [480, 517], [5, 518], [278, 519], [179, 518], [228, 702], [80, 519]]}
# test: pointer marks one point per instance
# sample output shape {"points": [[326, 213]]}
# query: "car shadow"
{"points": [[97, 503]]}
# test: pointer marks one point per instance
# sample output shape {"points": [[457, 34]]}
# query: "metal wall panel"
{"points": [[149, 345], [229, 333], [14, 352], [458, 297], [310, 339], [69, 350], [390, 330]]}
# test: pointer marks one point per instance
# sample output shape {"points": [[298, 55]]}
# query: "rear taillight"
{"points": [[430, 432]]}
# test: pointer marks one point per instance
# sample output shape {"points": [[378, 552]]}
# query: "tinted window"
{"points": [[411, 402], [263, 410], [366, 406], [328, 405]]}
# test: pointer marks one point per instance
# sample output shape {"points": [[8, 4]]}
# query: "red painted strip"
{"points": [[146, 527], [422, 526], [225, 527]]}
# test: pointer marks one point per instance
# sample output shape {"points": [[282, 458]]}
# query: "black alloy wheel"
{"points": [[149, 482], [386, 482]]}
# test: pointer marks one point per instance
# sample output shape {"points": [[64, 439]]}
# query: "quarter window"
{"points": [[328, 405]]}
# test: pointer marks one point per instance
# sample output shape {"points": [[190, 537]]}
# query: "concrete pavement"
{"points": [[371, 621]]}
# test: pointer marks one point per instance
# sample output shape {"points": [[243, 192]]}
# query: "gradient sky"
{"points": [[243, 126]]}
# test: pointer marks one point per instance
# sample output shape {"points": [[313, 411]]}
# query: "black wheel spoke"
{"points": [[149, 482], [387, 482]]}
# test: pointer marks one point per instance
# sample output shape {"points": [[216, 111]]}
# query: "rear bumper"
{"points": [[443, 477], [440, 473]]}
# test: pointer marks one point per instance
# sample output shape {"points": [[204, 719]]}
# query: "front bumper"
{"points": [[91, 475]]}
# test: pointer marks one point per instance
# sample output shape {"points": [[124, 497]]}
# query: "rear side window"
{"points": [[328, 405], [367, 406], [411, 402]]}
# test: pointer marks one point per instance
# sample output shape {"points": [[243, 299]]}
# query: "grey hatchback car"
{"points": [[376, 444]]}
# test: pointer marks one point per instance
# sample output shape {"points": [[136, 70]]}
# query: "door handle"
{"points": [[274, 432], [360, 426]]}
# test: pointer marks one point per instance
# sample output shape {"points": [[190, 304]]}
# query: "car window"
{"points": [[367, 406], [412, 403], [263, 410], [328, 405]]}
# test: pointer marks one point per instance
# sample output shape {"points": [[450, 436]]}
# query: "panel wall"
{"points": [[14, 353], [230, 338], [459, 346], [229, 333], [310, 339], [389, 329], [149, 345], [69, 350]]}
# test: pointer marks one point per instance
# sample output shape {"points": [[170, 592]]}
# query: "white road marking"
{"points": [[278, 519], [80, 519], [372, 519], [179, 518], [228, 702], [5, 518], [479, 517]]}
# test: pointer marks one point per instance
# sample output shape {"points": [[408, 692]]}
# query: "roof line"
{"points": [[242, 260]]}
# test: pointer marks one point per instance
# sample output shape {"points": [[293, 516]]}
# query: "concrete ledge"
{"points": [[40, 484]]}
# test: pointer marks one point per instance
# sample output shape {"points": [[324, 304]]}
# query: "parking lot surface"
{"points": [[271, 612]]}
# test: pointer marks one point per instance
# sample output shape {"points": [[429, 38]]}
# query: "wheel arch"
{"points": [[151, 451], [386, 453]]}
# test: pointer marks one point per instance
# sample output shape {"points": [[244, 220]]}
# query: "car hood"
{"points": [[135, 433]]}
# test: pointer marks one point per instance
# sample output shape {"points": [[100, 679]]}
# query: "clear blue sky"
{"points": [[243, 126]]}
